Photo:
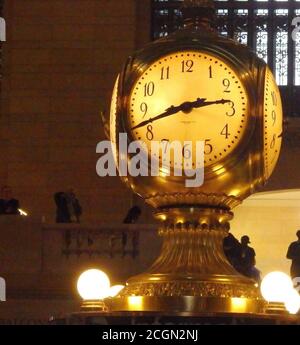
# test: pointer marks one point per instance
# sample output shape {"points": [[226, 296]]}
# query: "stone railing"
{"points": [[41, 262], [111, 240]]}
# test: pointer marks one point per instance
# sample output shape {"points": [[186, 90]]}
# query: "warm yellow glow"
{"points": [[22, 212], [183, 77], [219, 170], [276, 286], [165, 171], [292, 303], [93, 284], [235, 192], [113, 114], [114, 290], [163, 217], [272, 123], [238, 305], [135, 302]]}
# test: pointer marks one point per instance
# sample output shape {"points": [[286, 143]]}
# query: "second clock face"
{"points": [[190, 96], [272, 123]]}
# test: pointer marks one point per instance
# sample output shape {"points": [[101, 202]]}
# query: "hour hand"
{"points": [[169, 111]]}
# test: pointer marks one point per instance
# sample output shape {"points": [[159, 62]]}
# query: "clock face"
{"points": [[272, 123], [190, 96], [113, 113]]}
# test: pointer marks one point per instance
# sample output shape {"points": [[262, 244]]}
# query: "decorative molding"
{"points": [[190, 198], [197, 289]]}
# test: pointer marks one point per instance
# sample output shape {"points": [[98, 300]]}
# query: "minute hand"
{"points": [[186, 107]]}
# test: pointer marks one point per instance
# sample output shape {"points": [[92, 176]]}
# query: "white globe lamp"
{"points": [[292, 303], [275, 289], [93, 286]]}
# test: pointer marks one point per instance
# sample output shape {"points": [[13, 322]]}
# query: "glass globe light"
{"points": [[276, 286], [93, 284], [292, 303], [114, 290]]}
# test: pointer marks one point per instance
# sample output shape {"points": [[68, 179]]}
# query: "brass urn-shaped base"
{"points": [[192, 274]]}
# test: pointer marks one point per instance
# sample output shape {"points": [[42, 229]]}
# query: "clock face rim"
{"points": [[269, 166], [229, 60]]}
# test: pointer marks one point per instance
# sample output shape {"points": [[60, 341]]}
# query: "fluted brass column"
{"points": [[191, 273]]}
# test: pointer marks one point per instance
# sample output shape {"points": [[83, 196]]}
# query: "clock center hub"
{"points": [[186, 107]]}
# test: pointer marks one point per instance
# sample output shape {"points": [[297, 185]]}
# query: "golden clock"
{"points": [[272, 123], [192, 86], [190, 96]]}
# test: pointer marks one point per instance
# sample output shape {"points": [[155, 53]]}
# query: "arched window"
{"points": [[264, 25]]}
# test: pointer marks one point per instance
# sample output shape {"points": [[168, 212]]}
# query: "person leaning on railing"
{"points": [[8, 204]]}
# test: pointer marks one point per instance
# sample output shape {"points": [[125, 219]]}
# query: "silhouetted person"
{"points": [[8, 205], [247, 260], [62, 213], [132, 216], [68, 209], [73, 205], [293, 254], [232, 250]]}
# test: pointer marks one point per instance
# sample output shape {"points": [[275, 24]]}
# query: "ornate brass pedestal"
{"points": [[192, 273]]}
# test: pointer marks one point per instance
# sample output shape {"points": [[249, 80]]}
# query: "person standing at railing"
{"points": [[68, 209], [73, 205], [132, 216], [8, 204]]}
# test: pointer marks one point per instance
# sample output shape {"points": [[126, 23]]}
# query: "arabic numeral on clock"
{"points": [[226, 84], [225, 132], [187, 66], [274, 98], [165, 73], [149, 89], [274, 117], [232, 112], [208, 148], [165, 143], [149, 134], [186, 151], [144, 108], [272, 144], [210, 72]]}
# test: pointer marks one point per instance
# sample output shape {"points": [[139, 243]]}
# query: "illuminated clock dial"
{"points": [[272, 123], [190, 96]]}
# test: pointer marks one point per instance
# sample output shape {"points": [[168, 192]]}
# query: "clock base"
{"points": [[192, 273], [187, 305]]}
